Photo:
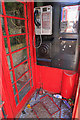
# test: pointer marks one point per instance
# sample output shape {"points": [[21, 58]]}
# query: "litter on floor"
{"points": [[46, 105]]}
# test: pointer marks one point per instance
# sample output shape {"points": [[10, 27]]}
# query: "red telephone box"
{"points": [[21, 75]]}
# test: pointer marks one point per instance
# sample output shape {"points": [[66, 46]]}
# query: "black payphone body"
{"points": [[60, 48]]}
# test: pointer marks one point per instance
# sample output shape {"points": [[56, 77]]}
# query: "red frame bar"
{"points": [[27, 38], [30, 8], [15, 35], [21, 1], [13, 17], [35, 112], [16, 51], [76, 103], [53, 102]]}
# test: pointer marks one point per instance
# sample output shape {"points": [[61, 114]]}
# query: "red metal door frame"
{"points": [[5, 108], [7, 80]]}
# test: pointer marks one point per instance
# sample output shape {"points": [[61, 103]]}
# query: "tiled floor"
{"points": [[46, 106]]}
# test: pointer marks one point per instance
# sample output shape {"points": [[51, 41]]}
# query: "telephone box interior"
{"points": [[60, 49], [40, 51]]}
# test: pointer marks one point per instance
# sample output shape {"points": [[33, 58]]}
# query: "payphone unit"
{"points": [[43, 20]]}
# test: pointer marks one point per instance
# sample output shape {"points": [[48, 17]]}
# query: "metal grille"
{"points": [[40, 111], [46, 108], [49, 104]]}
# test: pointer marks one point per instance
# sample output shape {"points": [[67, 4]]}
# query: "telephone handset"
{"points": [[37, 23], [43, 22]]}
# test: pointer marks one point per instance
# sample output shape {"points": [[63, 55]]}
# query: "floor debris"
{"points": [[45, 105]]}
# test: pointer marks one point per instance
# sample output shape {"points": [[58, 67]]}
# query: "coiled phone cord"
{"points": [[40, 42]]}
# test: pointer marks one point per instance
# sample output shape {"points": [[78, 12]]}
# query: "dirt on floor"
{"points": [[46, 106]]}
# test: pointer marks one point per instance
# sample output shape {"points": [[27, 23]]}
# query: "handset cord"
{"points": [[40, 42]]}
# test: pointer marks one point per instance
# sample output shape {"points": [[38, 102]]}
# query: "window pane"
{"points": [[6, 46], [29, 52], [14, 89], [14, 9], [4, 112], [16, 100], [3, 26], [11, 74], [30, 64], [23, 81], [16, 26], [21, 69], [20, 56], [17, 42], [1, 12], [28, 40], [31, 74], [9, 64], [22, 93], [32, 82]]}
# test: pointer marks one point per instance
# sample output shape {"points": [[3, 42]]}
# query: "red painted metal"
{"points": [[68, 83], [54, 103], [48, 78], [51, 79], [7, 80], [76, 105], [15, 35], [30, 7], [10, 16], [3, 89]]}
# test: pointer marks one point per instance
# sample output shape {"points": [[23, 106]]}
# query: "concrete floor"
{"points": [[46, 106]]}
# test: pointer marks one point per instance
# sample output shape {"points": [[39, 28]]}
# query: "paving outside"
{"points": [[46, 106]]}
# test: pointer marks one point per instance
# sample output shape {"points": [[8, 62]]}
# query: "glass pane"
{"points": [[6, 46], [29, 52], [14, 9], [20, 56], [21, 69], [69, 19], [16, 26], [32, 82], [22, 93], [1, 12], [4, 112], [1, 102], [16, 100], [17, 42], [11, 74], [28, 40], [14, 89], [31, 73], [23, 80], [27, 26], [30, 64], [3, 27], [9, 64]]}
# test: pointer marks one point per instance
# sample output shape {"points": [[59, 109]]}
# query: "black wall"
{"points": [[57, 58]]}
